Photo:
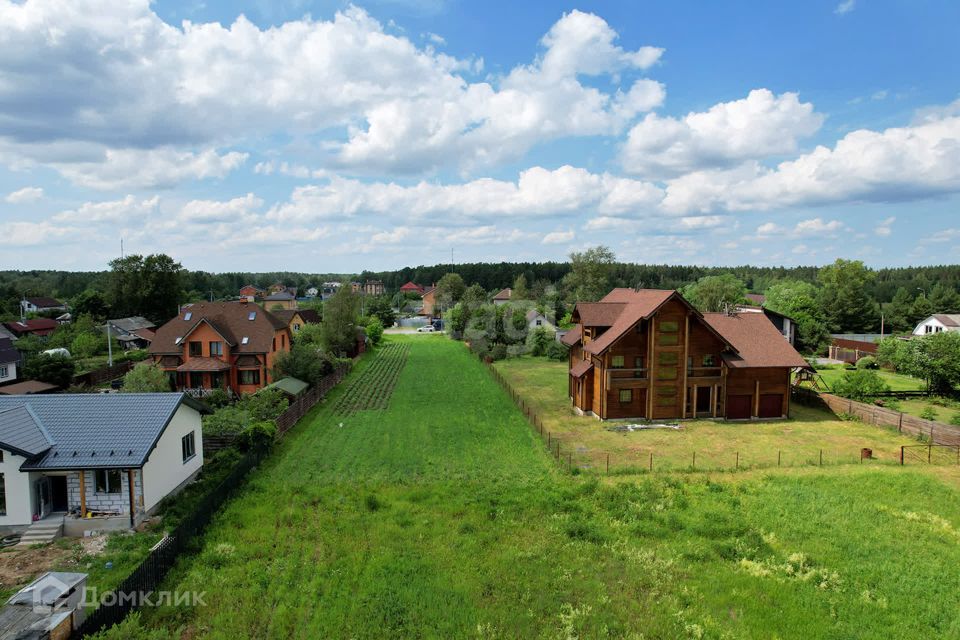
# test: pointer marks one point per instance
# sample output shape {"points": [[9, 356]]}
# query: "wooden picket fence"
{"points": [[935, 432]]}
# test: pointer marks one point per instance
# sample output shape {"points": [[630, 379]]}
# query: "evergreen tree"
{"points": [[897, 312], [844, 299], [920, 309], [944, 299]]}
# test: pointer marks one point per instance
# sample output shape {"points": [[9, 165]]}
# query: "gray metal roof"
{"points": [[96, 431], [131, 324], [22, 432], [8, 353]]}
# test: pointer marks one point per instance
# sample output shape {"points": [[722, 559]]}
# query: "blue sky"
{"points": [[335, 137]]}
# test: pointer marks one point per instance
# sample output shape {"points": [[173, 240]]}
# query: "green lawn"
{"points": [[896, 381], [441, 516], [715, 443]]}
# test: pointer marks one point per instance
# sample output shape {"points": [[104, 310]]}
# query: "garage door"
{"points": [[738, 407], [771, 405]]}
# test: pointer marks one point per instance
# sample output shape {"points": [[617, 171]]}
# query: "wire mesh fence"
{"points": [[575, 457]]}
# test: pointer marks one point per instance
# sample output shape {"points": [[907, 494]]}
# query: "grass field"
{"points": [[717, 444], [896, 381], [441, 516]]}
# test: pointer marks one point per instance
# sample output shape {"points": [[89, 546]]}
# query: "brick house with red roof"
{"points": [[214, 345], [649, 354]]}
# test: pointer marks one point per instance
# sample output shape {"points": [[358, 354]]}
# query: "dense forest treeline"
{"points": [[882, 285], [490, 276]]}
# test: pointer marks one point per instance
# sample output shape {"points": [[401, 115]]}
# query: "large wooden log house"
{"points": [[649, 354]]}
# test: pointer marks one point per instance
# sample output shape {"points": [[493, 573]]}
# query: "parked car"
{"points": [[426, 329]]}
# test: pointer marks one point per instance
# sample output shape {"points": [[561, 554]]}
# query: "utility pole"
{"points": [[109, 347]]}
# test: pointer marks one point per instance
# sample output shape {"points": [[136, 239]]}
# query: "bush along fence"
{"points": [[935, 432], [145, 580], [286, 420], [579, 459]]}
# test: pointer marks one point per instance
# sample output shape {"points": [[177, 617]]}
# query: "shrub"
{"points": [[955, 419], [860, 385], [867, 362], [557, 351], [146, 378], [498, 352], [374, 330], [259, 436], [217, 399], [928, 413], [538, 341]]}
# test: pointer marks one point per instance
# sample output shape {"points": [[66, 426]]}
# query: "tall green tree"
{"points": [[844, 297], [450, 289], [340, 321], [713, 293], [380, 308], [149, 287], [920, 309], [90, 302], [520, 291], [897, 313], [799, 301], [590, 274]]}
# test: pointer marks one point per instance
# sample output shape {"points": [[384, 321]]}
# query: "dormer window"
{"points": [[188, 315], [252, 315]]}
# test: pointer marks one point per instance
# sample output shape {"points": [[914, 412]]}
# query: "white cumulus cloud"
{"points": [[758, 126], [27, 195]]}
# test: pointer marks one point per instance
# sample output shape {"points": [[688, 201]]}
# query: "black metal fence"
{"points": [[147, 577]]}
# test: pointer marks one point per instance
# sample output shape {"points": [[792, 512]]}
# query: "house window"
{"points": [[245, 340], [669, 326], [216, 348], [188, 446], [626, 396], [108, 480], [196, 349], [668, 391], [216, 380], [4, 371], [664, 401], [616, 362], [250, 376], [669, 358], [638, 362], [196, 380], [296, 326], [252, 315], [274, 345], [709, 360], [188, 315], [3, 496], [539, 322]]}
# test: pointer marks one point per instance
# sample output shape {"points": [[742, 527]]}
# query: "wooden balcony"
{"points": [[628, 377], [704, 375]]}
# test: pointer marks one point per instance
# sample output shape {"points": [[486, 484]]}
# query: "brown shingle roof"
{"points": [[757, 341], [44, 302], [581, 368], [598, 314], [503, 294], [572, 337], [635, 306], [229, 319]]}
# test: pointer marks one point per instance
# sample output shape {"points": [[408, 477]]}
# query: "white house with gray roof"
{"points": [[96, 461], [938, 323]]}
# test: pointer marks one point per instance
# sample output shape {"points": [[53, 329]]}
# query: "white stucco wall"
{"points": [[18, 491], [165, 469]]}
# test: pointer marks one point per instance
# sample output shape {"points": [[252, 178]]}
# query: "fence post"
{"points": [[570, 461], [694, 460], [929, 452], [778, 457], [549, 444], [821, 457], [737, 464], [608, 460], [901, 455], [900, 423], [651, 461], [558, 449]]}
